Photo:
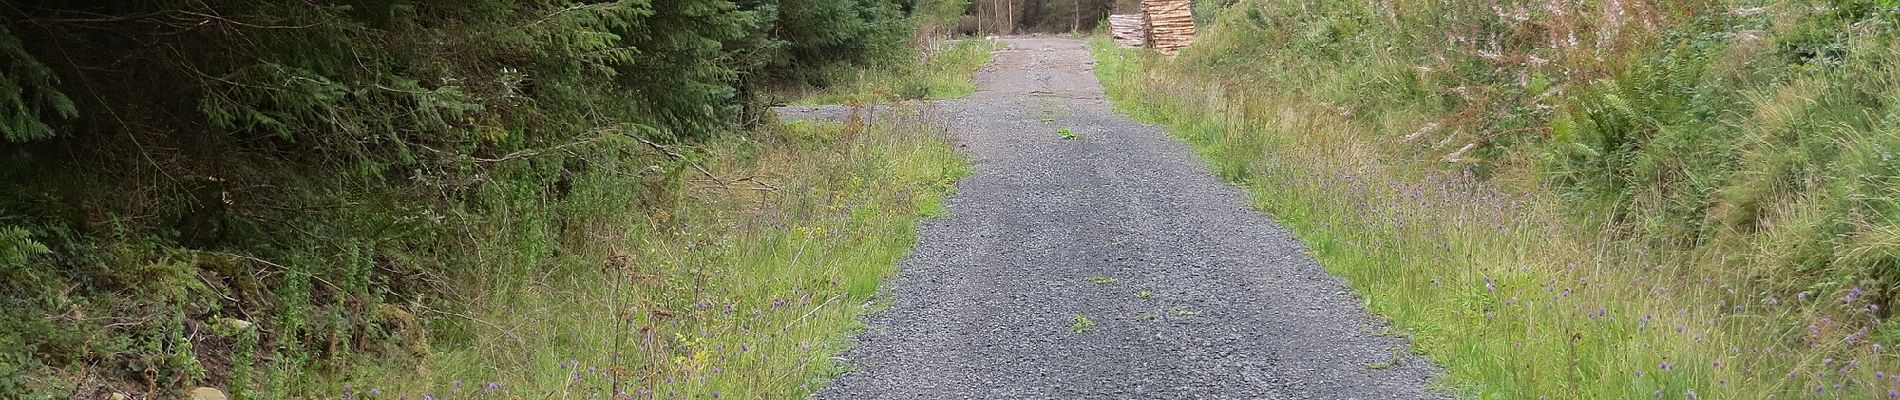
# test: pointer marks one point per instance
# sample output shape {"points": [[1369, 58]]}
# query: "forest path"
{"points": [[1187, 292]]}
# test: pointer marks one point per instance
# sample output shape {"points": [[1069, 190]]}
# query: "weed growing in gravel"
{"points": [[1397, 356], [1102, 279], [1182, 312], [1082, 324], [1068, 133], [1145, 316], [1144, 295]]}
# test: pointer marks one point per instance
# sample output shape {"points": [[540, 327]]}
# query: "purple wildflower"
{"points": [[491, 386]]}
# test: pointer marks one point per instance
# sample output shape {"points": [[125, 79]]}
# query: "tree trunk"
{"points": [[1076, 9], [1009, 11]]}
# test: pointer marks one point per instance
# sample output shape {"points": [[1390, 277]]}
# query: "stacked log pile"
{"points": [[1170, 24], [1128, 30]]}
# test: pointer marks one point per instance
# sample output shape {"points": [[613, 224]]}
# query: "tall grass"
{"points": [[1554, 228], [941, 71], [741, 288]]}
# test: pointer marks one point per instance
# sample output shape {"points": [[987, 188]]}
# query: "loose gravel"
{"points": [[1190, 292]]}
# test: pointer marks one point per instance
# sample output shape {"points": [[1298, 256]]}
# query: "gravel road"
{"points": [[1187, 291]]}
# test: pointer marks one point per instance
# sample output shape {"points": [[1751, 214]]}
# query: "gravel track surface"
{"points": [[987, 305]]}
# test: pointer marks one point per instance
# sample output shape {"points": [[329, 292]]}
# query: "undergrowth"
{"points": [[740, 289], [941, 71], [279, 198], [1571, 199]]}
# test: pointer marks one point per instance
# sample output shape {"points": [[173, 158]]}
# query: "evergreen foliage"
{"points": [[31, 94], [329, 170]]}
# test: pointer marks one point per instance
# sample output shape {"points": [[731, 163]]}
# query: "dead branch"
{"points": [[722, 183], [535, 152]]}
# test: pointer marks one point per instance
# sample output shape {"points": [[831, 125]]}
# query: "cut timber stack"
{"points": [[1170, 24], [1128, 30]]}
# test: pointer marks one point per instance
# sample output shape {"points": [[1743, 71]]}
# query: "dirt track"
{"points": [[1208, 299]]}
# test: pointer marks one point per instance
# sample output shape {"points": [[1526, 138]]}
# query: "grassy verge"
{"points": [[740, 288], [940, 73], [1496, 275], [399, 195]]}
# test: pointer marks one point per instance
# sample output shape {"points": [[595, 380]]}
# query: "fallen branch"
{"points": [[1458, 156], [535, 152], [722, 183]]}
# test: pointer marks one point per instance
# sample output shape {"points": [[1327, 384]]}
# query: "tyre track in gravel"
{"points": [[984, 306]]}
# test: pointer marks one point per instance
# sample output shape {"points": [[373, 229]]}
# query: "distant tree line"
{"points": [[1045, 16]]}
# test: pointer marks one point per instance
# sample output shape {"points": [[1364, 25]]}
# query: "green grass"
{"points": [[734, 289], [1082, 324], [1650, 243], [944, 74], [1102, 279], [1068, 134]]}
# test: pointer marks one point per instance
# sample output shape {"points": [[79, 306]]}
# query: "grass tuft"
{"points": [[1082, 324]]}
